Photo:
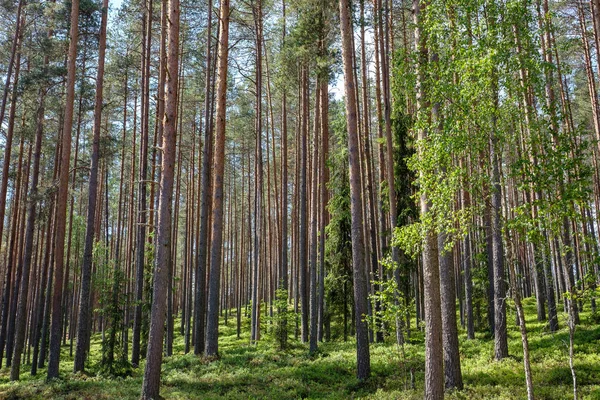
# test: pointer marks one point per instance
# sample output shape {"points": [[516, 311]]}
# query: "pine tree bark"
{"points": [[14, 243], [39, 303], [17, 39], [212, 321], [302, 200], [8, 293], [284, 180], [83, 319], [323, 181], [358, 245], [315, 201], [142, 201], [26, 260], [259, 184], [61, 198], [151, 384], [372, 272], [205, 196]]}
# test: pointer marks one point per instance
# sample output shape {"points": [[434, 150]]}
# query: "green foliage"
{"points": [[310, 38], [262, 371], [108, 282], [114, 361], [391, 309], [281, 318], [474, 96]]}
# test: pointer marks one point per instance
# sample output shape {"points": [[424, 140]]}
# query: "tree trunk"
{"points": [[302, 199], [212, 322], [452, 370], [29, 239], [83, 324], [468, 280], [313, 339], [61, 198], [324, 179], [17, 39], [500, 333], [151, 384], [358, 245], [434, 383], [259, 183], [143, 174], [205, 197], [8, 293]]}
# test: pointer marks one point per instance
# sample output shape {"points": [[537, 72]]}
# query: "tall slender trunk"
{"points": [[497, 245], [259, 183], [324, 179], [500, 333], [50, 260], [21, 315], [83, 319], [302, 199], [39, 303], [130, 229], [314, 220], [15, 241], [284, 180], [61, 199], [452, 370], [143, 174], [212, 322], [151, 384], [467, 263], [17, 39], [358, 245], [434, 383], [8, 292], [205, 196]]}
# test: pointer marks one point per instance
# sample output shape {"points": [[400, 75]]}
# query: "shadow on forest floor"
{"points": [[261, 371]]}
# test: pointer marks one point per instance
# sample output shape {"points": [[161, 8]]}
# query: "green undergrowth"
{"points": [[261, 371]]}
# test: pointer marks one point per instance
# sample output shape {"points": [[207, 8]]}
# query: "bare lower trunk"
{"points": [[358, 245], [17, 38], [314, 225], [61, 199], [142, 203], [21, 316], [452, 370], [434, 368], [151, 384], [259, 261], [83, 324], [302, 199], [212, 322], [205, 196]]}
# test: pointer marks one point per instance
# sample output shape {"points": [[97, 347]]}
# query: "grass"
{"points": [[261, 371]]}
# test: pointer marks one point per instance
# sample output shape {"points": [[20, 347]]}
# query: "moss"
{"points": [[259, 371]]}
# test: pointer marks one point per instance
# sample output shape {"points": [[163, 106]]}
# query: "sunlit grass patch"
{"points": [[262, 371]]}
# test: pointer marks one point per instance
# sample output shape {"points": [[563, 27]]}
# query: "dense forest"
{"points": [[300, 199]]}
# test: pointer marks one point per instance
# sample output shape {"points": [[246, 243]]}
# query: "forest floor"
{"points": [[261, 371]]}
